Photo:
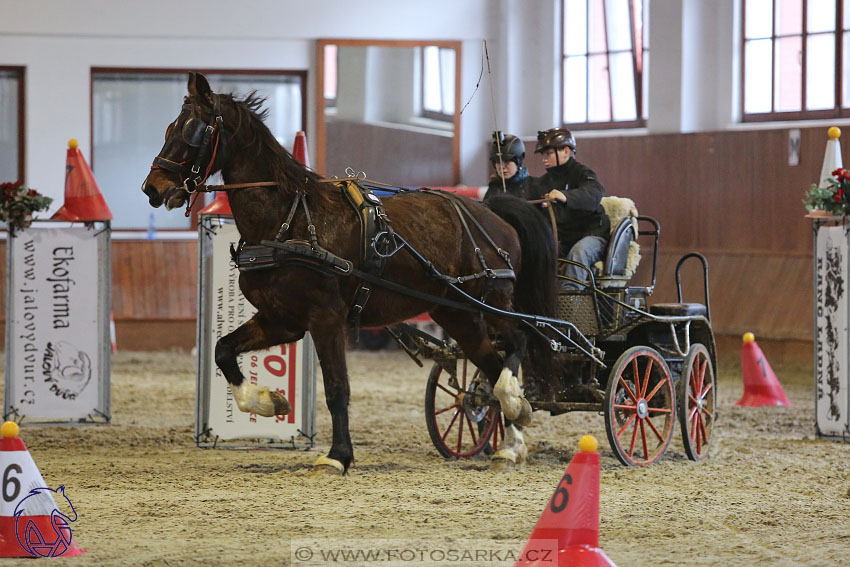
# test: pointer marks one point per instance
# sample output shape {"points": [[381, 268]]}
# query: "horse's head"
{"points": [[193, 147]]}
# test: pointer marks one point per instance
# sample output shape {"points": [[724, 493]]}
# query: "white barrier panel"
{"points": [[57, 323], [832, 393], [289, 369]]}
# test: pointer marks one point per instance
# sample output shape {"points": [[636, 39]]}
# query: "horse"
{"points": [[273, 196]]}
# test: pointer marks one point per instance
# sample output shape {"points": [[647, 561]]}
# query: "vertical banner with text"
{"points": [[57, 323], [288, 369], [832, 341]]}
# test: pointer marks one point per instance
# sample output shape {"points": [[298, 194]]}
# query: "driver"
{"points": [[583, 226], [506, 155]]}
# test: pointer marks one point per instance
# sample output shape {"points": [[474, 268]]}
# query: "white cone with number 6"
{"points": [[37, 527]]}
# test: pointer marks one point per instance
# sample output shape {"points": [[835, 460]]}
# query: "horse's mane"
{"points": [[287, 171]]}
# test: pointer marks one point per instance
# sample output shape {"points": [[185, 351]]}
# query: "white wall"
{"points": [[692, 78]]}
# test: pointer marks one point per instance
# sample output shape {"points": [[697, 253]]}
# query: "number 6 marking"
{"points": [[7, 480], [562, 494]]}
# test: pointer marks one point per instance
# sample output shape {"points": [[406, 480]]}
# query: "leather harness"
{"points": [[378, 242]]}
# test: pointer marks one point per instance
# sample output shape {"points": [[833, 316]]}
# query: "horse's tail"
{"points": [[536, 282]]}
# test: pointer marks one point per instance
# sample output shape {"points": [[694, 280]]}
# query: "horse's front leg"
{"points": [[330, 347], [257, 333]]}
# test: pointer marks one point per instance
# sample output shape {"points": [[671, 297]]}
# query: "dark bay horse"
{"points": [[219, 132]]}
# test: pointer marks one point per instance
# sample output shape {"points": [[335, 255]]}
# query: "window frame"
{"points": [[199, 203], [775, 116], [21, 72], [641, 121]]}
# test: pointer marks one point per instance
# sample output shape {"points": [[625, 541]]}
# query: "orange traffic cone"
{"points": [[31, 524], [83, 199], [299, 148], [567, 532], [219, 206], [761, 388]]}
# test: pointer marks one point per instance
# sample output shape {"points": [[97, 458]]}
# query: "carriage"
{"points": [[640, 365]]}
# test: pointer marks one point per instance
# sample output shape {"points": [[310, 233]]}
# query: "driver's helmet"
{"points": [[555, 138], [512, 148]]}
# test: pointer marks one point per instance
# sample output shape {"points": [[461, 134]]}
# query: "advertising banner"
{"points": [[831, 335], [57, 323], [288, 369]]}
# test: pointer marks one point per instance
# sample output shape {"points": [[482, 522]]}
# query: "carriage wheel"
{"points": [[459, 428], [697, 393], [640, 407]]}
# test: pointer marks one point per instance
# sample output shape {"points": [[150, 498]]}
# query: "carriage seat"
{"points": [[678, 310], [622, 254]]}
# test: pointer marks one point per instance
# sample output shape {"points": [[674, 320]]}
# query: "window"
{"points": [[793, 53], [605, 63], [330, 84], [130, 111], [11, 124], [438, 82]]}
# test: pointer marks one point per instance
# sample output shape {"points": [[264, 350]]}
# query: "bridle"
{"points": [[206, 138]]}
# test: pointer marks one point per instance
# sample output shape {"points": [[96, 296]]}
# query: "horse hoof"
{"points": [[525, 414], [325, 466], [502, 465], [281, 404]]}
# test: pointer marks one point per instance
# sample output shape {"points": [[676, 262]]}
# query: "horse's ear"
{"points": [[199, 88]]}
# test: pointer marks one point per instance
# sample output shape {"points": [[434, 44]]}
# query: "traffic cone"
{"points": [[31, 524], [832, 158], [83, 199], [567, 532], [219, 206], [299, 148], [761, 388]]}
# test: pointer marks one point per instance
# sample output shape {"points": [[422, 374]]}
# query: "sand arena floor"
{"points": [[769, 494]]}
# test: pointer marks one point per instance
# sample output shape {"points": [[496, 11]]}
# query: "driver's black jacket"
{"points": [[582, 214]]}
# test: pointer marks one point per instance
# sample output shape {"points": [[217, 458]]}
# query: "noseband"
{"points": [[199, 136]]}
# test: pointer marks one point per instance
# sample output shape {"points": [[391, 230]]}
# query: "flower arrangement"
{"points": [[18, 203], [834, 198]]}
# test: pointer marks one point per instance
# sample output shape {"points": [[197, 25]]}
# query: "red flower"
{"points": [[838, 171], [839, 193]]}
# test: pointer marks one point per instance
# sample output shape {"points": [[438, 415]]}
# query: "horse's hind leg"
{"points": [[257, 333], [471, 334], [507, 388]]}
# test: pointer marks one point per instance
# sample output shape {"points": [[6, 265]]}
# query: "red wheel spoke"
{"points": [[626, 407], [697, 437], [443, 438], [634, 438], [636, 375], [693, 412], [660, 410], [471, 431], [628, 390], [701, 366], [445, 409], [643, 438], [463, 383], [655, 390], [460, 430], [626, 425], [446, 390], [701, 426], [654, 430], [707, 388], [646, 377]]}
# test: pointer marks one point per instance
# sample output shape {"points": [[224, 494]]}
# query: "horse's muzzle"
{"points": [[154, 198]]}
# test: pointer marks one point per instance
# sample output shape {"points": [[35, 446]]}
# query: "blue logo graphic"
{"points": [[43, 540]]}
